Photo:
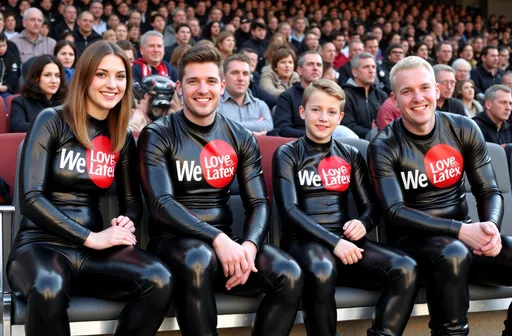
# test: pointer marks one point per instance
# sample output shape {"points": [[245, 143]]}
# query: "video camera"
{"points": [[160, 90]]}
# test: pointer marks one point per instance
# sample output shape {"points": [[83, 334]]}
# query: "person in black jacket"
{"points": [[445, 78], [493, 122], [84, 34], [44, 86], [363, 98], [258, 42], [9, 69], [487, 73], [355, 47], [287, 119]]}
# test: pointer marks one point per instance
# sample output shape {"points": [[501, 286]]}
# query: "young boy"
{"points": [[312, 177], [9, 70]]}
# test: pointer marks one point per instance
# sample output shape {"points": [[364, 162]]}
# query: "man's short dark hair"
{"points": [[3, 38], [369, 38], [236, 57], [155, 16], [199, 54], [256, 24], [394, 46], [247, 50], [485, 50], [443, 43], [181, 25], [334, 35]]}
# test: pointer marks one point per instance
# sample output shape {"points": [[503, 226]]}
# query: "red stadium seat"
{"points": [[10, 143], [9, 101], [4, 123]]}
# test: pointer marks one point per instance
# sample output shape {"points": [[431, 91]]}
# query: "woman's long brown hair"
{"points": [[75, 112]]}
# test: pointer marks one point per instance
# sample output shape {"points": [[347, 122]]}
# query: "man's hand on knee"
{"points": [[250, 254], [475, 236], [493, 248], [231, 255]]}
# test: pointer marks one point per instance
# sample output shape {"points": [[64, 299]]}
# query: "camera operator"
{"points": [[153, 100]]}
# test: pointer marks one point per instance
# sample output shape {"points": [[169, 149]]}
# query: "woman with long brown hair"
{"points": [[71, 156]]}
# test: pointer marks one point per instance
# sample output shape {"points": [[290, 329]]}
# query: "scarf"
{"points": [[146, 68]]}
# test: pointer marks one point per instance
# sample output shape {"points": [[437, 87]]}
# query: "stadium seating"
{"points": [[89, 316]]}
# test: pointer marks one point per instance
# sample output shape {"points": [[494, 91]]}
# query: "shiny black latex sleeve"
{"points": [[154, 147], [413, 200], [309, 207], [36, 159], [127, 182], [253, 192], [481, 175]]}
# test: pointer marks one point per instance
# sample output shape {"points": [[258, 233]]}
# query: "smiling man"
{"points": [[188, 161], [152, 61], [417, 164], [238, 103]]}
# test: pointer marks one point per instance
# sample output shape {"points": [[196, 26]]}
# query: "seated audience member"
{"points": [[329, 72], [466, 53], [225, 44], [211, 31], [388, 112], [68, 24], [152, 61], [465, 92], [445, 77], [504, 58], [420, 49], [84, 34], [493, 122], [121, 32], [109, 35], [10, 69], [66, 53], [281, 77], [287, 119], [339, 41], [395, 53], [328, 243], [363, 97], [44, 86], [328, 53], [128, 49], [30, 42], [183, 36], [257, 42], [355, 47], [238, 103], [254, 86], [10, 25], [444, 53], [277, 41], [507, 79], [487, 73], [462, 69], [177, 54]]}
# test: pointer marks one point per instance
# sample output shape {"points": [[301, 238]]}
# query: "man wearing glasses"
{"points": [[445, 77]]}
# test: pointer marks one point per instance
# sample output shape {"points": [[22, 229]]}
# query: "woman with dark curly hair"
{"points": [[45, 86], [211, 31]]}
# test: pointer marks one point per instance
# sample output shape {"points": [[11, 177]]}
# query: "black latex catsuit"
{"points": [[186, 174], [311, 185], [419, 181], [60, 185]]}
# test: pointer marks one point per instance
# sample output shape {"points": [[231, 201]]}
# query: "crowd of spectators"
{"points": [[274, 49]]}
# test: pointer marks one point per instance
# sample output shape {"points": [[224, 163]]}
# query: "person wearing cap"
{"points": [[243, 33], [258, 42]]}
